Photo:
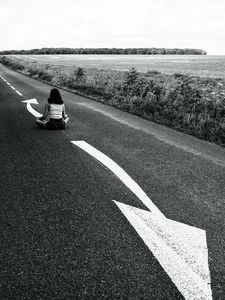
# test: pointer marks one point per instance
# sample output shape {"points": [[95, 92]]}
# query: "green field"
{"points": [[199, 65]]}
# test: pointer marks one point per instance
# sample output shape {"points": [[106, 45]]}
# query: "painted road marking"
{"points": [[12, 87], [120, 173], [180, 249], [19, 93], [30, 108]]}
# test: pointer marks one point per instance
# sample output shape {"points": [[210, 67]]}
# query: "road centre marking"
{"points": [[180, 249]]}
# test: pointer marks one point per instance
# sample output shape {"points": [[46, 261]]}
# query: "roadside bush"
{"points": [[33, 71], [15, 65], [61, 79], [131, 76], [45, 76], [79, 73]]}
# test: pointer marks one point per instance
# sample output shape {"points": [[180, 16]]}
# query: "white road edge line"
{"points": [[11, 86], [121, 174], [19, 93]]}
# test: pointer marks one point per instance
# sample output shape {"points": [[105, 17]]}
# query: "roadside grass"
{"points": [[192, 104]]}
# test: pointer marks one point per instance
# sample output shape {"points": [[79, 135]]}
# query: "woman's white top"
{"points": [[56, 111]]}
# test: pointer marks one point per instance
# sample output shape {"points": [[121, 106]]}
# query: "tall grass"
{"points": [[191, 104]]}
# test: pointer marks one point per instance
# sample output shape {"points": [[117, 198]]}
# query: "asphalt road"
{"points": [[62, 236]]}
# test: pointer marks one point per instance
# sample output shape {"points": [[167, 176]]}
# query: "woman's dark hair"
{"points": [[55, 97]]}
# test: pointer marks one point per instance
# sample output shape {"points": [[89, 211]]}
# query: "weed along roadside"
{"points": [[195, 105]]}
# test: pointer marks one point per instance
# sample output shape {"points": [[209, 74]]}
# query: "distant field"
{"points": [[200, 65]]}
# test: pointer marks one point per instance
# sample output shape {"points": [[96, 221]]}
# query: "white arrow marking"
{"points": [[30, 108], [180, 249], [120, 173]]}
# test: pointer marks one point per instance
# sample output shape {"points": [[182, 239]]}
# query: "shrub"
{"points": [[32, 71], [15, 65], [79, 73], [45, 76], [131, 77]]}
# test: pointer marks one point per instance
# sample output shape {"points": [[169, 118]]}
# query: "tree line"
{"points": [[121, 51]]}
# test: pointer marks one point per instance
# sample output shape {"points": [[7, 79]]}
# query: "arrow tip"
{"points": [[33, 101], [180, 249]]}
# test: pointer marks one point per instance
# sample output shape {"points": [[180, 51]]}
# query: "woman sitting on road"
{"points": [[54, 116]]}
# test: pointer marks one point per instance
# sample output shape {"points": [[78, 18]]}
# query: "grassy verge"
{"points": [[191, 104]]}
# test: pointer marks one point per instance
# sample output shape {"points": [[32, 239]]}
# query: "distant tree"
{"points": [[125, 51]]}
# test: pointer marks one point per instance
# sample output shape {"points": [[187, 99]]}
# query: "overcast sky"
{"points": [[27, 24]]}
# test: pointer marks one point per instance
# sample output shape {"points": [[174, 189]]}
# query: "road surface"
{"points": [[62, 233]]}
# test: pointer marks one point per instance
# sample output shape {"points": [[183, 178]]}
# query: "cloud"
{"points": [[120, 23]]}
